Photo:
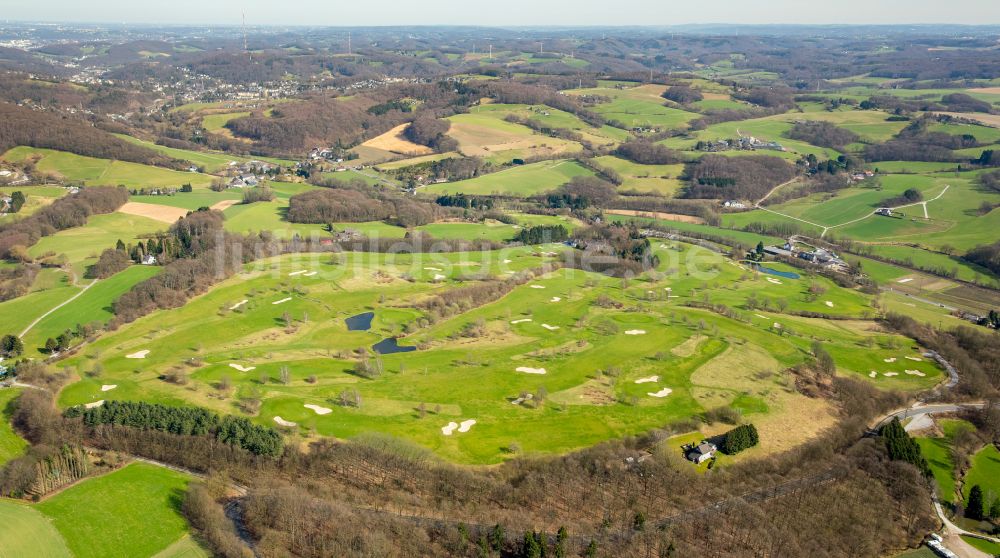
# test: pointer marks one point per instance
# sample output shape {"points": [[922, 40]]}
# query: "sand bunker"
{"points": [[538, 286], [508, 261], [555, 299], [550, 327], [662, 393], [648, 380], [773, 280], [238, 304], [94, 404], [893, 359], [299, 272], [284, 422], [139, 354], [890, 374], [761, 317], [916, 359], [282, 301], [241, 368], [828, 303], [438, 277], [319, 410], [872, 374], [521, 321], [915, 373], [907, 280], [529, 370], [451, 427], [636, 332], [433, 269], [108, 387], [466, 425], [310, 274]]}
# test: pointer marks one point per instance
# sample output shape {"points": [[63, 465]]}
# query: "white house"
{"points": [[702, 453], [149, 259]]}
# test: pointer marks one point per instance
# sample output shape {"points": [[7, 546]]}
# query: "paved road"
{"points": [[935, 409]]}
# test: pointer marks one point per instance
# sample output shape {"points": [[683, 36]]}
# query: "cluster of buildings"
{"points": [[817, 256], [743, 143]]}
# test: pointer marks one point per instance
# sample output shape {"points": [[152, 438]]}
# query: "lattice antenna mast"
{"points": [[246, 46]]}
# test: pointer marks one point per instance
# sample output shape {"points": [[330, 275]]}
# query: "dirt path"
{"points": [[45, 315], [224, 205]]}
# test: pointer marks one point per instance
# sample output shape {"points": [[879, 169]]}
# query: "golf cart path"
{"points": [[57, 307], [826, 228]]}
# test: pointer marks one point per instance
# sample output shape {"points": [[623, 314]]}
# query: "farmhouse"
{"points": [[702, 452]]}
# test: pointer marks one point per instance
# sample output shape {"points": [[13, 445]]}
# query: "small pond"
{"points": [[361, 322], [389, 346], [785, 274]]}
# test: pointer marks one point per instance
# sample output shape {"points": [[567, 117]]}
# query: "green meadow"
{"points": [[134, 511], [104, 172], [82, 245], [92, 306], [11, 445], [25, 532], [526, 180]]}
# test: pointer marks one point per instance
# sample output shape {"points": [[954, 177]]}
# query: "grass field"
{"points": [[92, 306], [985, 472], [134, 511], [103, 172], [640, 106], [26, 533], [211, 161], [82, 245], [526, 180], [11, 445], [488, 135], [937, 451], [661, 179], [707, 360]]}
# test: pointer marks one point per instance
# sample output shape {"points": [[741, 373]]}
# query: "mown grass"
{"points": [[24, 532], [134, 511], [94, 306], [11, 445], [937, 452], [985, 472]]}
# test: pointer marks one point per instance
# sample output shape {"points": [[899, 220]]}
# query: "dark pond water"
{"points": [[389, 346], [785, 274], [361, 322]]}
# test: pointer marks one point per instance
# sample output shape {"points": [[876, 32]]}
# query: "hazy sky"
{"points": [[504, 12]]}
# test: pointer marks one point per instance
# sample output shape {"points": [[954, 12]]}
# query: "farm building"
{"points": [[702, 452]]}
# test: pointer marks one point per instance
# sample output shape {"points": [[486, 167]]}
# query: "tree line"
{"points": [[183, 421]]}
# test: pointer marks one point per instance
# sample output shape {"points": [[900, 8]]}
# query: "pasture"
{"points": [[24, 532], [488, 135], [82, 245], [637, 107], [985, 472], [134, 511], [548, 338], [103, 172], [523, 180], [661, 179]]}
